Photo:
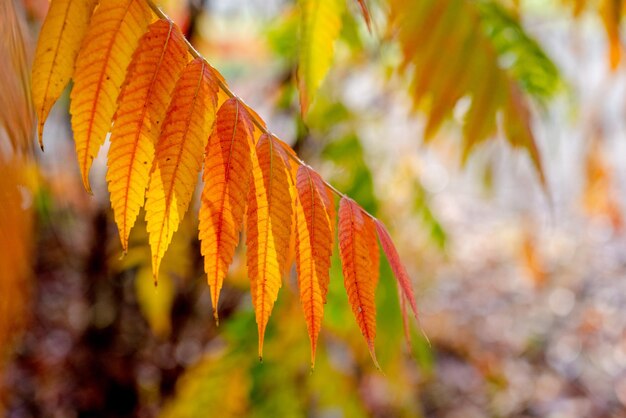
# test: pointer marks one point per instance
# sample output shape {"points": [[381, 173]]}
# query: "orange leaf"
{"points": [[314, 246], [405, 322], [372, 246], [16, 242], [291, 252], [404, 282], [293, 170], [227, 169], [186, 130], [268, 228], [360, 275], [113, 35], [611, 14], [59, 41], [152, 74]]}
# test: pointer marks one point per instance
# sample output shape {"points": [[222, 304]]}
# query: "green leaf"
{"points": [[518, 53], [320, 28]]}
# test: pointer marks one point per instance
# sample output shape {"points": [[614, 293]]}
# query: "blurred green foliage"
{"points": [[519, 53]]}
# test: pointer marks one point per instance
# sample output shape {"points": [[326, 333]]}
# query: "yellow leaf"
{"points": [[320, 27], [227, 171], [152, 74], [113, 35], [179, 151], [219, 381], [59, 41], [155, 302], [268, 228]]}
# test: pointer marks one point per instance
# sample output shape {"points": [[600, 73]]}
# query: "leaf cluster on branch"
{"points": [[473, 50], [170, 116]]}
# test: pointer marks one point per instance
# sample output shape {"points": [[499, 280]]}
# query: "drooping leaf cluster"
{"points": [[473, 50], [170, 116]]}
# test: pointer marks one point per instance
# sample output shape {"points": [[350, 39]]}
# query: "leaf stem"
{"points": [[260, 125]]}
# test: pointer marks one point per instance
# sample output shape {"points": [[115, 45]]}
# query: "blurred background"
{"points": [[521, 284]]}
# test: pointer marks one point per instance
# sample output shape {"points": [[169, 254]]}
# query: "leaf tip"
{"points": [[216, 317], [373, 355], [261, 349], [85, 178], [40, 135], [372, 350], [425, 336], [304, 103], [124, 242]]}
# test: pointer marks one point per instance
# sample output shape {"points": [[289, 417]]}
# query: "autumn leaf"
{"points": [[155, 302], [216, 382], [320, 27], [152, 74], [17, 187], [599, 198], [611, 12], [17, 116], [356, 243], [227, 172], [106, 51], [404, 282], [179, 152], [293, 172], [59, 41], [268, 228], [453, 49], [315, 219], [16, 239]]}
